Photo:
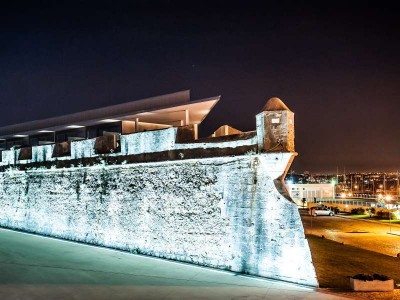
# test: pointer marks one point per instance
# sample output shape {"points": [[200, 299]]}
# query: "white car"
{"points": [[321, 211]]}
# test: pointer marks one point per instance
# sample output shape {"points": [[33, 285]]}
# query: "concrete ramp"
{"points": [[34, 267]]}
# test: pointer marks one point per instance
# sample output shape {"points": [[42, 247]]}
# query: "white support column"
{"points": [[196, 131], [136, 124], [187, 121]]}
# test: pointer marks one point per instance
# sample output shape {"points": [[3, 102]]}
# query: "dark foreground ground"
{"points": [[35, 267], [343, 247]]}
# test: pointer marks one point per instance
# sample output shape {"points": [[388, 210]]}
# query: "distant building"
{"points": [[309, 191]]}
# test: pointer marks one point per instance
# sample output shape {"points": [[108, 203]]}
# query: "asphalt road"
{"points": [[364, 234]]}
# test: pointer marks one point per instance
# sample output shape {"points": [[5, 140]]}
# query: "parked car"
{"points": [[321, 211]]}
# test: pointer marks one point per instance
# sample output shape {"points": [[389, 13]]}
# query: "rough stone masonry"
{"points": [[225, 212]]}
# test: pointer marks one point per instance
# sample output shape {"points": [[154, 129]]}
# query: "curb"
{"points": [[366, 220], [392, 233]]}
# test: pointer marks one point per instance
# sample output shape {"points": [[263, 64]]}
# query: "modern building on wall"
{"points": [[160, 112], [310, 191]]}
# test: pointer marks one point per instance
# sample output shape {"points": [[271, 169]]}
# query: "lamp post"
{"points": [[333, 183], [397, 180], [388, 198], [373, 187], [384, 184]]}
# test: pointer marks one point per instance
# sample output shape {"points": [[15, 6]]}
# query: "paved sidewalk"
{"points": [[34, 267]]}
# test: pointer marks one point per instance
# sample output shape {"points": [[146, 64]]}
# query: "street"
{"points": [[364, 234]]}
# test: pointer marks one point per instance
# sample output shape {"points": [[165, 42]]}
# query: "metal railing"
{"points": [[358, 196], [349, 202]]}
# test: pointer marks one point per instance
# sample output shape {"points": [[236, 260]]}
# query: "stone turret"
{"points": [[275, 127]]}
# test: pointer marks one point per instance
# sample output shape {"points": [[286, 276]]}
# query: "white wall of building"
{"points": [[310, 191]]}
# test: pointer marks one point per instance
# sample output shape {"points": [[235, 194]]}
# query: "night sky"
{"points": [[335, 64]]}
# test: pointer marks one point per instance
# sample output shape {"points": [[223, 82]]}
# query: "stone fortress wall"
{"points": [[130, 144], [224, 211]]}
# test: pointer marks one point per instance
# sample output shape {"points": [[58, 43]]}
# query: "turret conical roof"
{"points": [[275, 104]]}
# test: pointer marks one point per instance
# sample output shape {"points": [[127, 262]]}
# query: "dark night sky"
{"points": [[335, 64]]}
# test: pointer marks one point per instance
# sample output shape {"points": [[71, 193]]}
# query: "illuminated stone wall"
{"points": [[221, 212], [131, 144]]}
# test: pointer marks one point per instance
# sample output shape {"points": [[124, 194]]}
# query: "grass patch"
{"points": [[387, 221], [335, 263], [360, 217], [367, 217]]}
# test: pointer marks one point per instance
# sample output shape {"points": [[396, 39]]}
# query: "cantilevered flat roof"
{"points": [[165, 109]]}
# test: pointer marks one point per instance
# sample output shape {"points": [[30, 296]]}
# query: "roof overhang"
{"points": [[198, 110], [168, 109]]}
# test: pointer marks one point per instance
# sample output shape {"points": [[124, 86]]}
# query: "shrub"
{"points": [[380, 214], [385, 215], [364, 277], [358, 211], [367, 277]]}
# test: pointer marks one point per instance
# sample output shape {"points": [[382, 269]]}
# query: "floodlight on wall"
{"points": [[75, 126]]}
